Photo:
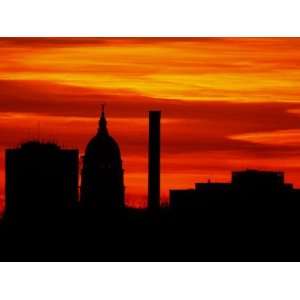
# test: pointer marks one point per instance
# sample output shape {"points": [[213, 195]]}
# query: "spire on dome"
{"points": [[102, 122]]}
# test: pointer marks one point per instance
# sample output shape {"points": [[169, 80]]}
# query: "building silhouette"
{"points": [[253, 181], [255, 216], [41, 179], [256, 187], [102, 184], [154, 161]]}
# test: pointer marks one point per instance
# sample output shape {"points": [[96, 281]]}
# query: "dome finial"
{"points": [[102, 121]]}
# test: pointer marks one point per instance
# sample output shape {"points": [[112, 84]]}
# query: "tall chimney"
{"points": [[154, 161]]}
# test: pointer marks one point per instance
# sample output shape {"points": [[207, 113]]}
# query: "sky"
{"points": [[227, 103]]}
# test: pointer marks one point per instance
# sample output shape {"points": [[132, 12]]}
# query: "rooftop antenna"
{"points": [[102, 121], [103, 107]]}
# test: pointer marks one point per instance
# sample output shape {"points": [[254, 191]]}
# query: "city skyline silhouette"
{"points": [[101, 174], [195, 156], [256, 213], [228, 104]]}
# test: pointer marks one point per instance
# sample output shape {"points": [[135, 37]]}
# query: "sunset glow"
{"points": [[227, 103]]}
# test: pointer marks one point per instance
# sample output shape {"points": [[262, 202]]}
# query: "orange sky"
{"points": [[227, 103]]}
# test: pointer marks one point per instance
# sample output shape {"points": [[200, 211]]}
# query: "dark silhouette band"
{"points": [[254, 217]]}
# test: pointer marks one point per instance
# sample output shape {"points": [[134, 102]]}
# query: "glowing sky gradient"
{"points": [[227, 103]]}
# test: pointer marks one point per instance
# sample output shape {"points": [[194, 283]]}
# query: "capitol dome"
{"points": [[103, 147], [102, 173]]}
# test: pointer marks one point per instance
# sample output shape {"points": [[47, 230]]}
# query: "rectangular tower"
{"points": [[154, 161], [40, 178]]}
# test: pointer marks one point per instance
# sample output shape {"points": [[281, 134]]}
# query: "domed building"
{"points": [[102, 184]]}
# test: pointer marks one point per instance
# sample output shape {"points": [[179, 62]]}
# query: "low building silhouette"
{"points": [[213, 187], [260, 187], [253, 181], [41, 179]]}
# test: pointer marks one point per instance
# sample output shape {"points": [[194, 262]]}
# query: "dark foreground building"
{"points": [[252, 188], [255, 217], [102, 185], [41, 179], [154, 161]]}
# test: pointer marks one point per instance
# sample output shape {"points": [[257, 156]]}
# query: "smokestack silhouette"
{"points": [[154, 161]]}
